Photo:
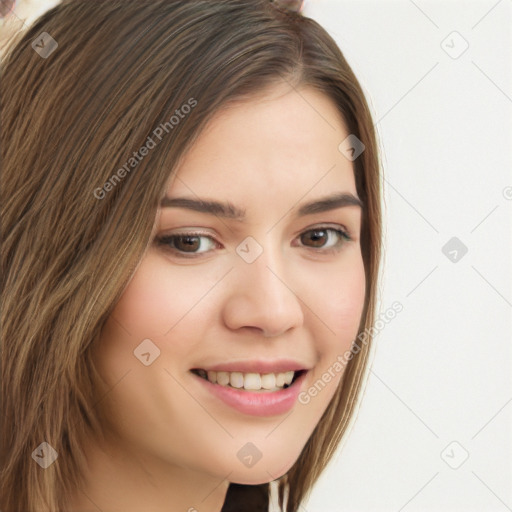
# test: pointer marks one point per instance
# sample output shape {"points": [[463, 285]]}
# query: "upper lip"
{"points": [[256, 366]]}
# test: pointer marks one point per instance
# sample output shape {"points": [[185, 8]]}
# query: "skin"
{"points": [[169, 444]]}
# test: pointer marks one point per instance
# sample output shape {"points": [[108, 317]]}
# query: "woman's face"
{"points": [[255, 272]]}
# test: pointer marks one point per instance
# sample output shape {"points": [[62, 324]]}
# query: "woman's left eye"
{"points": [[324, 238], [189, 245]]}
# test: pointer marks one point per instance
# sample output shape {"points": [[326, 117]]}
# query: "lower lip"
{"points": [[272, 403]]}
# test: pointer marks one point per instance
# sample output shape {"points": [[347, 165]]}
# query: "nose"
{"points": [[262, 297]]}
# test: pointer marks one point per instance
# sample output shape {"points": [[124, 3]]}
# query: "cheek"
{"points": [[340, 297], [157, 300], [152, 304], [340, 305], [346, 306]]}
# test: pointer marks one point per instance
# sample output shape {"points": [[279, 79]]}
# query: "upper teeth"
{"points": [[252, 381]]}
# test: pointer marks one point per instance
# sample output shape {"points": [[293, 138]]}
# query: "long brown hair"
{"points": [[73, 110]]}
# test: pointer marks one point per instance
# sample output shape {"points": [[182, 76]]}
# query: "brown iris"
{"points": [[187, 243], [318, 237]]}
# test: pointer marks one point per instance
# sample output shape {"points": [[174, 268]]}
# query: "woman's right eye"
{"points": [[188, 244]]}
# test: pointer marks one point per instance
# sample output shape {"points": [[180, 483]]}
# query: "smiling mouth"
{"points": [[264, 382]]}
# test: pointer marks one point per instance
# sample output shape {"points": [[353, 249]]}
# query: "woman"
{"points": [[190, 253]]}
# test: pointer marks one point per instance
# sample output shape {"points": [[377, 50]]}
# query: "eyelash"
{"points": [[168, 240]]}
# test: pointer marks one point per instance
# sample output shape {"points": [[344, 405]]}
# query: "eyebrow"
{"points": [[230, 211]]}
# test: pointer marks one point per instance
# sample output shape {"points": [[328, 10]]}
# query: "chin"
{"points": [[261, 475], [254, 479]]}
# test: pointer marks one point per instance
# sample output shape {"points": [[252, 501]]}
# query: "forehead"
{"points": [[282, 142]]}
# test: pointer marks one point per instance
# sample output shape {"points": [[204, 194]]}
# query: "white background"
{"points": [[442, 368]]}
